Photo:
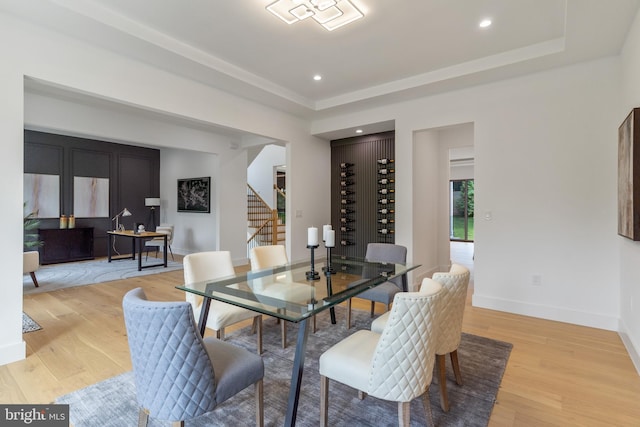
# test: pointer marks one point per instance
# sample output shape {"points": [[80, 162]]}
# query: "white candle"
{"points": [[330, 241], [325, 228], [312, 236]]}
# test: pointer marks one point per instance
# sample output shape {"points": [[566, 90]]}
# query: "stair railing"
{"points": [[263, 219]]}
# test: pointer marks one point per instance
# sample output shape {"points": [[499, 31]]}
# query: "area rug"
{"points": [[28, 324], [66, 275], [112, 403]]}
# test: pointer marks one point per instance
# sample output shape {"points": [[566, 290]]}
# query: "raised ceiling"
{"points": [[399, 50]]}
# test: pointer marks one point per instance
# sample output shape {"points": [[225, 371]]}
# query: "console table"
{"points": [[65, 244]]}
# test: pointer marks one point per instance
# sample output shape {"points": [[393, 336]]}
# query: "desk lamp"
{"points": [[125, 212]]}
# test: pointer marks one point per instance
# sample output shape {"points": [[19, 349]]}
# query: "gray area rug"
{"points": [[28, 324], [69, 274], [112, 403]]}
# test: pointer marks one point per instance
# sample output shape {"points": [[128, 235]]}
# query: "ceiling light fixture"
{"points": [[317, 77], [331, 14], [485, 23], [358, 130]]}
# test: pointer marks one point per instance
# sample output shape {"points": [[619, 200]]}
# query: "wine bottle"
{"points": [[346, 243], [346, 174], [385, 221], [385, 171], [385, 181], [385, 161], [347, 201], [386, 191], [346, 192], [346, 229], [385, 201], [385, 231], [345, 165], [346, 211], [346, 183], [385, 211], [346, 220]]}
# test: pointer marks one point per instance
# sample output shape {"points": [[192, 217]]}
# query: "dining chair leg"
{"points": [[361, 394], [259, 390], [349, 314], [257, 322], [441, 361], [426, 403], [178, 423], [404, 414], [324, 404], [143, 417], [373, 307], [456, 366], [283, 328]]}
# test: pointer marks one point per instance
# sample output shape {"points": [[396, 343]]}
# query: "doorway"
{"points": [[461, 202]]}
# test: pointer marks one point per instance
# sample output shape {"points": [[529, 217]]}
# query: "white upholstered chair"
{"points": [[269, 256], [454, 283], [211, 265], [30, 264], [383, 293], [395, 365], [158, 242]]}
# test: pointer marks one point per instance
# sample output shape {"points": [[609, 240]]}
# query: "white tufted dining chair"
{"points": [[211, 265], [395, 365], [454, 283]]}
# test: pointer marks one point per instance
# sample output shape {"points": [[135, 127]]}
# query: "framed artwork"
{"points": [[90, 197], [629, 176], [42, 195], [194, 195]]}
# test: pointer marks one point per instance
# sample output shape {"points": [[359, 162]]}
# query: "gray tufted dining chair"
{"points": [[383, 293], [179, 375]]}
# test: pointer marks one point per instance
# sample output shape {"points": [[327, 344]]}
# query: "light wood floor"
{"points": [[558, 374]]}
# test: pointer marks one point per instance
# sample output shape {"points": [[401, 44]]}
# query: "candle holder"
{"points": [[313, 274], [328, 269], [327, 272]]}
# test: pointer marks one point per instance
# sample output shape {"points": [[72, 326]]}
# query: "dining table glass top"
{"points": [[285, 292]]}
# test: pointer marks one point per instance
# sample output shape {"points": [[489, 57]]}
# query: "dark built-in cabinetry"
{"points": [[65, 244]]}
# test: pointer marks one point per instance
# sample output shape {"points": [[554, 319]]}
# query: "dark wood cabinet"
{"points": [[65, 244]]}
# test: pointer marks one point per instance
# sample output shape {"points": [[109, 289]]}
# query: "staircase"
{"points": [[264, 226]]}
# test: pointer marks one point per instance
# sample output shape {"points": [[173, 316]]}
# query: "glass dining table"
{"points": [[290, 293]]}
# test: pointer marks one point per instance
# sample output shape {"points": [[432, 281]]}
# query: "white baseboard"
{"points": [[559, 314], [13, 353], [632, 349]]}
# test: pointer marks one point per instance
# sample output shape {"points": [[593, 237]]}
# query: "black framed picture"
{"points": [[194, 195]]}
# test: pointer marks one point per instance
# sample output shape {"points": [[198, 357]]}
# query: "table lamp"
{"points": [[124, 212]]}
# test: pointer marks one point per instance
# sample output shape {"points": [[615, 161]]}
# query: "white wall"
{"points": [[66, 63], [630, 251], [545, 166]]}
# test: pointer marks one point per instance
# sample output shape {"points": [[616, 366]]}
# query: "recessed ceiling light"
{"points": [[485, 23], [358, 130], [317, 77]]}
